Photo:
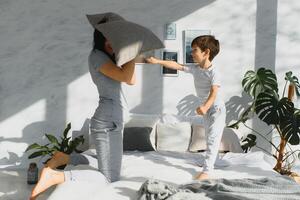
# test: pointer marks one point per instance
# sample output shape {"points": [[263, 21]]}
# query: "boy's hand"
{"points": [[152, 60], [201, 110]]}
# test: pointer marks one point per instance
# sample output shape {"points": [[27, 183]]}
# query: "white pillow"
{"points": [[198, 141], [144, 120], [229, 142], [173, 137]]}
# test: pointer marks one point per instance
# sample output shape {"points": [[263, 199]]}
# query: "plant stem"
{"points": [[290, 153], [279, 163], [284, 89], [270, 131], [261, 136], [291, 92], [274, 156]]}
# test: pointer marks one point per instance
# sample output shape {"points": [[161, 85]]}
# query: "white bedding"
{"points": [[172, 167]]}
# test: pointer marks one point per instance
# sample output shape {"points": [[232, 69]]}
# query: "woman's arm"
{"points": [[125, 73], [166, 63]]}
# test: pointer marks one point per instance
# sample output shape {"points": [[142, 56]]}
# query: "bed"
{"points": [[170, 167]]}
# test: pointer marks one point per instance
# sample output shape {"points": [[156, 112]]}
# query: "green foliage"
{"points": [[248, 142], [293, 80], [255, 83], [65, 145], [277, 112]]}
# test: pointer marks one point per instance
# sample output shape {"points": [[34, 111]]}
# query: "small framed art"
{"points": [[189, 35], [170, 31], [169, 55]]}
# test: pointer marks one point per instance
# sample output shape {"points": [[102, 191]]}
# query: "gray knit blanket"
{"points": [[271, 188]]}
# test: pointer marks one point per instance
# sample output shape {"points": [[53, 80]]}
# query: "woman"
{"points": [[106, 124]]}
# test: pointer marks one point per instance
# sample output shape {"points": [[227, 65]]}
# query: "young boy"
{"points": [[207, 84]]}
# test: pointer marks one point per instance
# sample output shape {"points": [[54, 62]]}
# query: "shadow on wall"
{"points": [[187, 106], [265, 52], [235, 106], [31, 133], [41, 62]]}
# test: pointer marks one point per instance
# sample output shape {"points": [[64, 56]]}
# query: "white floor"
{"points": [[13, 185]]}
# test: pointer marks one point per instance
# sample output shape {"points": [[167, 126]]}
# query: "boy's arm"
{"points": [[202, 110], [166, 63]]}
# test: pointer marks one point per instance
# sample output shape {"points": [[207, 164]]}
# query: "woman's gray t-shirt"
{"points": [[112, 102]]}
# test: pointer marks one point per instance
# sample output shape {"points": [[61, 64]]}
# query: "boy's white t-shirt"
{"points": [[203, 80]]}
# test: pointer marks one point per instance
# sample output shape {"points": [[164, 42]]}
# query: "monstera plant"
{"points": [[278, 112]]}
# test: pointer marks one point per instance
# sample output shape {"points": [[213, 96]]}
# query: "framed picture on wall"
{"points": [[170, 31], [189, 35], [169, 55]]}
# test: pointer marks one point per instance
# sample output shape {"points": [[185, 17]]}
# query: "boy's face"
{"points": [[198, 55]]}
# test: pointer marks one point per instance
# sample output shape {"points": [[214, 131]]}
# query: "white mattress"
{"points": [[172, 167]]}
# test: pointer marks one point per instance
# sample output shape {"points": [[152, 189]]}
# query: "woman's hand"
{"points": [[152, 60]]}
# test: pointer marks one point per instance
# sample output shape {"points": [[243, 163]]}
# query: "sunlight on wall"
{"points": [[35, 112], [14, 138], [82, 100]]}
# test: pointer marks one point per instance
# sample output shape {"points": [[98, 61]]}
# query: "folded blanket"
{"points": [[157, 190], [271, 188]]}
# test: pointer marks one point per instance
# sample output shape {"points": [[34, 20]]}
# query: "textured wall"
{"points": [[44, 80]]}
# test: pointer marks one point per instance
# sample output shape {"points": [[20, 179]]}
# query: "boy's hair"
{"points": [[207, 42]]}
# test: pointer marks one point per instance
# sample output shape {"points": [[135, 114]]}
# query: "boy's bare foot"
{"points": [[58, 159], [48, 178], [202, 176]]}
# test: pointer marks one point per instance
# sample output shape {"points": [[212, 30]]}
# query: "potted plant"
{"points": [[278, 112], [65, 145]]}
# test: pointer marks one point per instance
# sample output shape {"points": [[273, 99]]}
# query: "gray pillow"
{"points": [[108, 17], [127, 39], [137, 138]]}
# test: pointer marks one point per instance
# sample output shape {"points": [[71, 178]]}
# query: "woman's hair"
{"points": [[99, 41]]}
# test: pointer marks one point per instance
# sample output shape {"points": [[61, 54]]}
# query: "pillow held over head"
{"points": [[127, 39]]}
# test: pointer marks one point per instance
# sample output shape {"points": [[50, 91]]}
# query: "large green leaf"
{"points": [[33, 146], [255, 83], [67, 130], [290, 127], [38, 153], [52, 139], [65, 144], [74, 143], [293, 80], [270, 109]]}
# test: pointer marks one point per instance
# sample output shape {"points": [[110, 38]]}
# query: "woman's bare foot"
{"points": [[58, 159], [48, 178], [202, 176]]}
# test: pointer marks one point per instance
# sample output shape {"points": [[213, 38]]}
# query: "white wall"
{"points": [[44, 80]]}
